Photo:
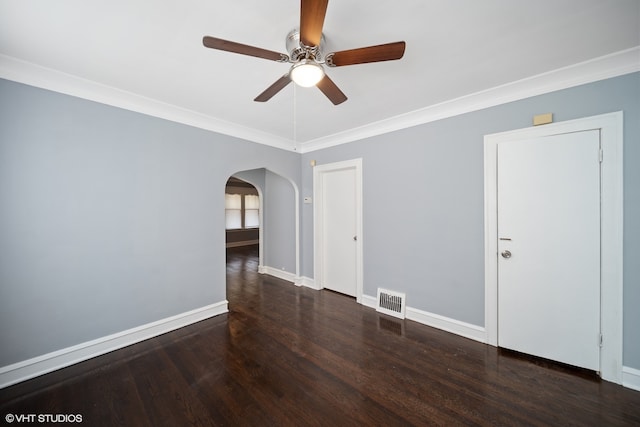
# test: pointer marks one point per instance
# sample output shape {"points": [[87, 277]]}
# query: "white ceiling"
{"points": [[151, 51]]}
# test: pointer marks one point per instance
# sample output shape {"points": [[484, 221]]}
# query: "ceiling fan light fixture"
{"points": [[306, 73]]}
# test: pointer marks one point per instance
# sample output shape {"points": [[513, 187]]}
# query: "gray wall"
{"points": [[254, 177], [434, 250], [109, 219], [279, 223]]}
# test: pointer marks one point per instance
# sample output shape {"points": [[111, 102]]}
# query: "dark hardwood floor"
{"points": [[290, 356]]}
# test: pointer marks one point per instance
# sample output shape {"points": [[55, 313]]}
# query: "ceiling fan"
{"points": [[304, 47]]}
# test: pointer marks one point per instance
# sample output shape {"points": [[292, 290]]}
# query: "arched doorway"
{"points": [[243, 227], [277, 242]]}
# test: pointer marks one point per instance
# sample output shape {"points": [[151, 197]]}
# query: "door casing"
{"points": [[611, 130], [318, 212]]}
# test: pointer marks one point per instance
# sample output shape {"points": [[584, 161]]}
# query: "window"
{"points": [[233, 210], [242, 211], [251, 211]]}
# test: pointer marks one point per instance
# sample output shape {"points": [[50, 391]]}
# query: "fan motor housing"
{"points": [[298, 51]]}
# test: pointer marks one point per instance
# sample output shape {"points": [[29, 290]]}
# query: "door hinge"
{"points": [[601, 339], [601, 155]]}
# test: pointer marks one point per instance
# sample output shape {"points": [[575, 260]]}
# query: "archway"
{"points": [[278, 231], [243, 213]]}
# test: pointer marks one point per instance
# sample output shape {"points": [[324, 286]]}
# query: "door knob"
{"points": [[506, 254], [355, 238]]}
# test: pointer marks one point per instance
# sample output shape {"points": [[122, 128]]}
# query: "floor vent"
{"points": [[391, 303]]}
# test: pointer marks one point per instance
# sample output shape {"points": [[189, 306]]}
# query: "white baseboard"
{"points": [[457, 327], [243, 243], [49, 362], [369, 301], [281, 274], [31, 368], [631, 378], [305, 281], [308, 282]]}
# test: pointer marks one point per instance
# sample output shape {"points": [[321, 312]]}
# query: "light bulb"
{"points": [[306, 73]]}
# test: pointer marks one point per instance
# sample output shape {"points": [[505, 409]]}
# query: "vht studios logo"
{"points": [[43, 418]]}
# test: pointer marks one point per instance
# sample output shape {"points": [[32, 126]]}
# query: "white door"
{"points": [[339, 228], [338, 198], [549, 247]]}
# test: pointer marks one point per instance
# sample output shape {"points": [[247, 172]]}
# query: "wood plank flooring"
{"points": [[290, 356]]}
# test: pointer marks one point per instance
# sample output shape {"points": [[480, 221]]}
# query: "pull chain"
{"points": [[295, 116]]}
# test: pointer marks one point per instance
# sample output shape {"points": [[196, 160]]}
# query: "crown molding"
{"points": [[46, 78], [604, 67], [608, 66]]}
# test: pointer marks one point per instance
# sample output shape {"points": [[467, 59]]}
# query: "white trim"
{"points": [[369, 301], [467, 330], [297, 225], [604, 67], [318, 209], [49, 362], [611, 127], [631, 378], [35, 75], [281, 274], [308, 282], [243, 243], [289, 277]]}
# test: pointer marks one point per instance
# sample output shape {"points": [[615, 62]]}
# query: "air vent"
{"points": [[391, 303]]}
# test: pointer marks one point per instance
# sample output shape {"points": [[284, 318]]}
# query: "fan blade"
{"points": [[229, 46], [312, 13], [329, 88], [363, 55], [273, 89]]}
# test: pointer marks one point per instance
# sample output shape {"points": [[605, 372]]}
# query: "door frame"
{"points": [[318, 216], [611, 226]]}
